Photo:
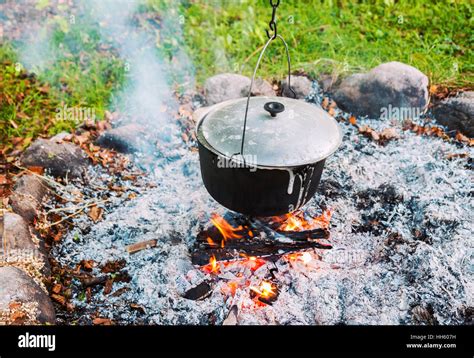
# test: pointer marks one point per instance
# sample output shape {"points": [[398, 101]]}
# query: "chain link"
{"points": [[272, 24]]}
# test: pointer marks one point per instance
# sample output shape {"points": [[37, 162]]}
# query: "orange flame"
{"points": [[227, 231], [304, 257], [266, 289], [212, 266], [297, 222]]}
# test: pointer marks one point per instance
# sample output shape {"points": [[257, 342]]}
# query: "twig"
{"points": [[139, 246], [77, 207]]}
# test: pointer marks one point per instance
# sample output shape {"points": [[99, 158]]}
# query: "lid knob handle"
{"points": [[274, 108]]}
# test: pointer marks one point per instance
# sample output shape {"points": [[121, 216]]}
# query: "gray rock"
{"points": [[17, 286], [260, 88], [59, 159], [225, 86], [125, 139], [391, 85], [301, 85], [457, 113], [60, 137], [228, 86], [17, 241], [27, 195]]}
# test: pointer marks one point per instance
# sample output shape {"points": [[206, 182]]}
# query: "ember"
{"points": [[212, 267], [297, 222], [266, 292]]}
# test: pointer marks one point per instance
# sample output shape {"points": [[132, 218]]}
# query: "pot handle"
{"points": [[253, 80]]}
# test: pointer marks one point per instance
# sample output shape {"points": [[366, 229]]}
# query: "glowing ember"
{"points": [[227, 231], [212, 267], [211, 242], [297, 222], [306, 257], [266, 292]]}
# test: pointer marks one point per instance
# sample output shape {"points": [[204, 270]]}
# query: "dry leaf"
{"points": [[389, 133], [108, 286], [95, 213], [56, 288], [14, 305], [88, 265], [3, 179], [17, 315], [59, 299], [102, 321], [36, 169]]}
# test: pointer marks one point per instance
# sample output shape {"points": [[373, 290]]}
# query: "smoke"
{"points": [[146, 93]]}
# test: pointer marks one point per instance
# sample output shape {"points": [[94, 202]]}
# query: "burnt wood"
{"points": [[258, 241]]}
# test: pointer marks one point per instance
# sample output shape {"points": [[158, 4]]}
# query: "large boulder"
{"points": [[22, 301], [392, 87], [457, 113], [125, 139], [59, 159], [27, 195], [301, 85]]}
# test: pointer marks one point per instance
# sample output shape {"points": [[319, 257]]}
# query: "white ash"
{"points": [[364, 279]]}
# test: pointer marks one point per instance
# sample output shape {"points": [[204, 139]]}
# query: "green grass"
{"points": [[334, 37], [82, 74]]}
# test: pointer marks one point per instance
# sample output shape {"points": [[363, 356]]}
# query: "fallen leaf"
{"points": [[88, 265], [352, 120], [56, 288], [95, 213], [17, 315], [36, 169], [108, 286], [3, 179], [102, 321], [59, 299], [389, 133], [14, 305]]}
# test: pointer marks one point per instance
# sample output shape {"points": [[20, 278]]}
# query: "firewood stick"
{"points": [[139, 246]]}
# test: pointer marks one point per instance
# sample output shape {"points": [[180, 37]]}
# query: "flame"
{"points": [[252, 262], [304, 257], [266, 289], [227, 231], [212, 266], [211, 242], [297, 222]]}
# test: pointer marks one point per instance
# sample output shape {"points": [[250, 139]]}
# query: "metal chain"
{"points": [[272, 23]]}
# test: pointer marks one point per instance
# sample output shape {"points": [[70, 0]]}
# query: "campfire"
{"points": [[250, 243]]}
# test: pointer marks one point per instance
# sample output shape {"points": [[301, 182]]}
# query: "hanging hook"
{"points": [[272, 24]]}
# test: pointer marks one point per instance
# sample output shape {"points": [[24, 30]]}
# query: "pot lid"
{"points": [[280, 131]]}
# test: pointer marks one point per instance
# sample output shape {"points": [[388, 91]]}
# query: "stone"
{"points": [[125, 139], [58, 159], [225, 86], [17, 242], [457, 113], [16, 288], [301, 85], [392, 85], [260, 88], [27, 195]]}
